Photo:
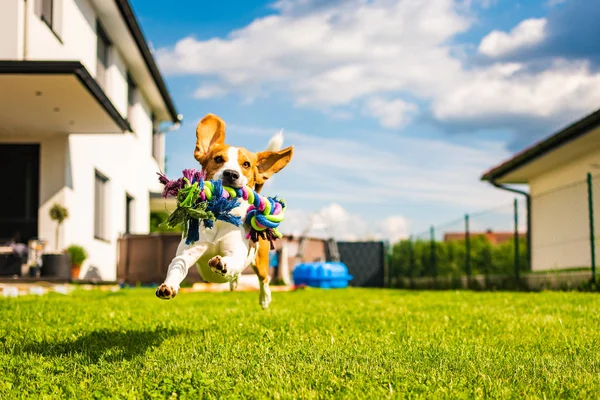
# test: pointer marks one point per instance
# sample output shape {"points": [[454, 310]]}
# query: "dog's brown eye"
{"points": [[246, 164], [219, 159]]}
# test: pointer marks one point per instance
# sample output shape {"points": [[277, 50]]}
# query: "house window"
{"points": [[131, 89], [103, 49], [46, 7], [129, 212], [100, 206], [50, 11]]}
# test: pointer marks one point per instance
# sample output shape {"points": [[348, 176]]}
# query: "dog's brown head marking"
{"points": [[235, 166]]}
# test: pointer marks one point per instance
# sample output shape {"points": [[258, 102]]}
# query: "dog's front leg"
{"points": [[185, 258], [232, 259]]}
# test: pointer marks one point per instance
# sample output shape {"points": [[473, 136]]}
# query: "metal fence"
{"points": [[505, 244], [365, 262]]}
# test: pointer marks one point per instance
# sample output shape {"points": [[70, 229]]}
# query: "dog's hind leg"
{"points": [[233, 284], [261, 268], [185, 258]]}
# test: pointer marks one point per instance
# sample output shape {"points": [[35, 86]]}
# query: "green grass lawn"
{"points": [[345, 344]]}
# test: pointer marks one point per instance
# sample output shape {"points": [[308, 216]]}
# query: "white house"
{"points": [[81, 102], [556, 170]]}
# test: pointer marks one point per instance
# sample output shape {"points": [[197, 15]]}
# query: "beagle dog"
{"points": [[223, 252]]}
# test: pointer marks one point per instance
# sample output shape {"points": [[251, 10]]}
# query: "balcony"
{"points": [[58, 97]]}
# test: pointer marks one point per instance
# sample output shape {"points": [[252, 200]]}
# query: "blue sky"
{"points": [[395, 107]]}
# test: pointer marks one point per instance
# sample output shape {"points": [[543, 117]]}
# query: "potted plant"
{"points": [[57, 264], [78, 256]]}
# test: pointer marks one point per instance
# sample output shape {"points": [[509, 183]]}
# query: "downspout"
{"points": [[172, 128], [528, 199], [25, 20]]}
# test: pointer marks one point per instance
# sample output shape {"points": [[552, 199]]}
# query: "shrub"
{"points": [[157, 218], [414, 258], [77, 253]]}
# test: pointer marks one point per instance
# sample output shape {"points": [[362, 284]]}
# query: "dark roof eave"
{"points": [[66, 68], [134, 28], [567, 134]]}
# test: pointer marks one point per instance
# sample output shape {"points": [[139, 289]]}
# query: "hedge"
{"points": [[415, 258]]}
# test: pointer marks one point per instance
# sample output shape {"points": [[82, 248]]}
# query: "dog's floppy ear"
{"points": [[210, 131], [271, 162]]}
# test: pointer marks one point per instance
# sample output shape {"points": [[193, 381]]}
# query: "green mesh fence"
{"points": [[480, 243], [565, 236], [499, 240]]}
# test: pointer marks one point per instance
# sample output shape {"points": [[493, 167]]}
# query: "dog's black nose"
{"points": [[231, 174]]}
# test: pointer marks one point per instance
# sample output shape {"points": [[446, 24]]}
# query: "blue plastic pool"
{"points": [[322, 275]]}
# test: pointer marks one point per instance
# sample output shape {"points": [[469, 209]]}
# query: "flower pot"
{"points": [[75, 270], [34, 271], [56, 266]]}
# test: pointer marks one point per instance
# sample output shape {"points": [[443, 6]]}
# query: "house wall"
{"points": [[68, 162], [117, 81], [560, 219], [55, 182], [128, 172], [73, 36], [67, 170], [314, 250], [126, 160], [12, 29]]}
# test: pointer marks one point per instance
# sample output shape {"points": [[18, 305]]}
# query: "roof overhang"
{"points": [[122, 27], [572, 142], [54, 97]]}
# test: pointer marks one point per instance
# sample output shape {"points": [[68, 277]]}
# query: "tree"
{"points": [[59, 214]]}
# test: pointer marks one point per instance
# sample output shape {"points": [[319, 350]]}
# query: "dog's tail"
{"points": [[276, 142]]}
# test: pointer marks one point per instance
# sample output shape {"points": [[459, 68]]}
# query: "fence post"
{"points": [[517, 257], [591, 217], [411, 258], [433, 258], [467, 249], [387, 264], [528, 235]]}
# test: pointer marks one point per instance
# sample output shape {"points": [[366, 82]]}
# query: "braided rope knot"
{"points": [[199, 199], [264, 214]]}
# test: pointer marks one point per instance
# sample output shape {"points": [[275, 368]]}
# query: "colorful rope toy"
{"points": [[208, 201]]}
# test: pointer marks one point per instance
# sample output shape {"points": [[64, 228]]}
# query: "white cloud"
{"points": [[330, 55], [349, 55], [395, 228], [391, 114], [329, 221], [388, 169], [335, 221], [568, 88], [340, 115], [526, 34], [209, 91], [481, 3], [377, 185]]}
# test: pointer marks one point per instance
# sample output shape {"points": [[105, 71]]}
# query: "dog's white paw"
{"points": [[218, 265], [166, 292]]}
